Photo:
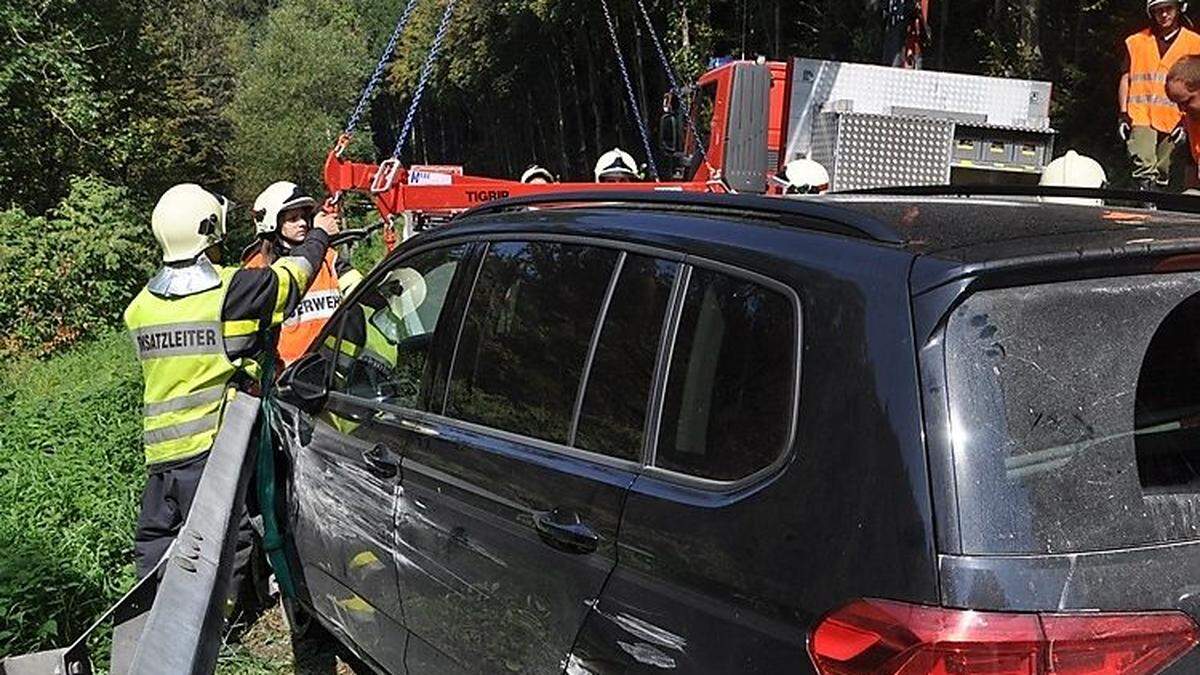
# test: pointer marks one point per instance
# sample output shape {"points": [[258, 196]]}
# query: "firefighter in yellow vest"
{"points": [[1149, 122], [282, 218], [195, 327]]}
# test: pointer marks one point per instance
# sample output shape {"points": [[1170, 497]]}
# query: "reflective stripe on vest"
{"points": [[181, 344], [301, 327], [1148, 102]]}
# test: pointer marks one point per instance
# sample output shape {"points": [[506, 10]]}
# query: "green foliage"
{"points": [[70, 474], [69, 275], [298, 78]]}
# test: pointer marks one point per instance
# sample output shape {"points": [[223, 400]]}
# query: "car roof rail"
{"points": [[1167, 201], [809, 214]]}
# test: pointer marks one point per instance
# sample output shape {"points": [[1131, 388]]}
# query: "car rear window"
{"points": [[1075, 414]]}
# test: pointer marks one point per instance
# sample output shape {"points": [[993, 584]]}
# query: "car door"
{"points": [[345, 459], [703, 532], [508, 515]]}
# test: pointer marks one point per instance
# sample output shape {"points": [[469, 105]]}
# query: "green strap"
{"points": [[272, 533]]}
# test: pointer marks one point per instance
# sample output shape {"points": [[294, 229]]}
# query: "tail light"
{"points": [[892, 638]]}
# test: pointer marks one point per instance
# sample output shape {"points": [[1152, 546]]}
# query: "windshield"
{"points": [[1075, 414]]}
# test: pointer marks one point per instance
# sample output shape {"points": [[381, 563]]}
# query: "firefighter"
{"points": [[537, 174], [282, 218], [1149, 124], [196, 326], [616, 166], [1183, 88], [803, 177]]}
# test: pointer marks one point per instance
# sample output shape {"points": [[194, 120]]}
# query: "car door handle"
{"points": [[563, 530], [379, 463]]}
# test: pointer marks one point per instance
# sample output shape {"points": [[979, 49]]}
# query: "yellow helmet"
{"points": [[187, 220]]}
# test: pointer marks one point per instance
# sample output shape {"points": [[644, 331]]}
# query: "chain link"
{"points": [[425, 72], [641, 123], [377, 76], [684, 104]]}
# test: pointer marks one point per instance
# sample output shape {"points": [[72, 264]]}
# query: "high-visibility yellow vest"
{"points": [[181, 345], [1148, 102]]}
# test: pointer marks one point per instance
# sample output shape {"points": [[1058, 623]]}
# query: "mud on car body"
{"points": [[852, 434]]}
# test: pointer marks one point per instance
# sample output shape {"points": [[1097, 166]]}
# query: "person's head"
{"points": [[1165, 15], [187, 221], [804, 177], [1076, 171], [1183, 86], [616, 166], [537, 174], [285, 212]]}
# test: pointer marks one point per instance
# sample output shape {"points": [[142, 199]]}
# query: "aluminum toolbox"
{"points": [[873, 125]]}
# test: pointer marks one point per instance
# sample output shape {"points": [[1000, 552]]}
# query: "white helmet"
{"points": [[277, 198], [805, 177], [537, 173], [1151, 4], [614, 165], [187, 220], [1074, 170]]}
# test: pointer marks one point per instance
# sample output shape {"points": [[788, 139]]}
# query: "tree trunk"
{"points": [[564, 165], [777, 52], [581, 150], [592, 98]]}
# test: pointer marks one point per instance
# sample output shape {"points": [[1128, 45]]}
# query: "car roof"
{"points": [[964, 227], [952, 234]]}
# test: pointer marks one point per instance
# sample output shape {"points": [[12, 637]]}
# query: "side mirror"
{"points": [[304, 384], [668, 132]]}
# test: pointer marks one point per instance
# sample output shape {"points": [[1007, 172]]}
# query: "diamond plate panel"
{"points": [[826, 86], [878, 151]]}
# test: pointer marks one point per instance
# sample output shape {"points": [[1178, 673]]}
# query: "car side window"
{"points": [[525, 336], [387, 333], [613, 413], [729, 399]]}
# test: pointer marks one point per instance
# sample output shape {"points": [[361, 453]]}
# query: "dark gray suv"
{"points": [[856, 434]]}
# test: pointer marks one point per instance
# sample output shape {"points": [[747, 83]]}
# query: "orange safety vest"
{"points": [[318, 304], [1193, 132], [1148, 102]]}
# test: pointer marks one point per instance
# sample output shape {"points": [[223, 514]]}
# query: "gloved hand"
{"points": [[1124, 126], [327, 221], [1177, 134]]}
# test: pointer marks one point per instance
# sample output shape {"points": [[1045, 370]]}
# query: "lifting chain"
{"points": [[426, 69], [637, 113], [684, 104], [377, 76]]}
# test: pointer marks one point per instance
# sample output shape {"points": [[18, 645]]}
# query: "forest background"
{"points": [[106, 103]]}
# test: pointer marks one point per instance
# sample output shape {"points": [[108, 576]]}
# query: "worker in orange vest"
{"points": [[1149, 123], [283, 216], [1183, 88]]}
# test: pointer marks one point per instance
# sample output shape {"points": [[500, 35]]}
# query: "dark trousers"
{"points": [[166, 501]]}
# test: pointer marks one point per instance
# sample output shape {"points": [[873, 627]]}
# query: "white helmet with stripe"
{"points": [[1151, 4], [277, 198], [805, 177], [616, 165]]}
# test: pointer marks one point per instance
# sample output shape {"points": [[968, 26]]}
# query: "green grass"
{"points": [[70, 476]]}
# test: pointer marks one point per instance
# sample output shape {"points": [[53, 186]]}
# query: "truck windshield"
{"points": [[1075, 414]]}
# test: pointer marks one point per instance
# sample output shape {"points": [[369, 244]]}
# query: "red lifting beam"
{"points": [[387, 185]]}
